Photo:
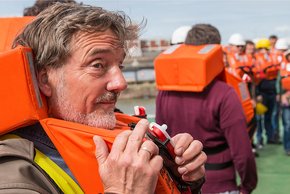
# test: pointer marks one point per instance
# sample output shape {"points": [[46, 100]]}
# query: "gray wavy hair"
{"points": [[50, 33]]}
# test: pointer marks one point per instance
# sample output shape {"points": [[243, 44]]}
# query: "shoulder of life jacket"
{"points": [[188, 68], [10, 27], [22, 104]]}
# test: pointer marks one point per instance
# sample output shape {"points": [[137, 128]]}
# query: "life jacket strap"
{"points": [[216, 149], [218, 166]]}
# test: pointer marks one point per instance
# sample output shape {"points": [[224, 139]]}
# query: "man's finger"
{"points": [[136, 137], [101, 152]]}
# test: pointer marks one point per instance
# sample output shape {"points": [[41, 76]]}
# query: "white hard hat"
{"points": [[179, 35], [237, 39], [281, 44]]}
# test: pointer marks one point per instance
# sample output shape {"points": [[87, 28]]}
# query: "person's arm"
{"points": [[132, 166], [233, 124]]}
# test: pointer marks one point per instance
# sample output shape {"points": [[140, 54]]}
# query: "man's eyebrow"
{"points": [[99, 51]]}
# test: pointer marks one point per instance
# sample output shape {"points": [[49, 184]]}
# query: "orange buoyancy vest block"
{"points": [[188, 68], [21, 101], [10, 28], [22, 105]]}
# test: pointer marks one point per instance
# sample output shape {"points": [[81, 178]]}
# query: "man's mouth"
{"points": [[108, 98]]}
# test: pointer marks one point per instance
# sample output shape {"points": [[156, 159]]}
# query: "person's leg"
{"points": [[275, 121], [286, 127], [259, 133], [269, 101]]}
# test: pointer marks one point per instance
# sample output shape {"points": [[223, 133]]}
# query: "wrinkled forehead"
{"points": [[107, 37]]}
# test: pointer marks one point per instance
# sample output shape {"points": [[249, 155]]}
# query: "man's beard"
{"points": [[99, 118]]}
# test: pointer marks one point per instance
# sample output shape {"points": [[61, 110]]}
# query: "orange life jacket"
{"points": [[238, 62], [267, 68], [10, 27], [22, 104], [192, 68], [188, 68], [285, 73]]}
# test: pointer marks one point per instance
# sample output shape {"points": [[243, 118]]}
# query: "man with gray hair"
{"points": [[78, 54]]}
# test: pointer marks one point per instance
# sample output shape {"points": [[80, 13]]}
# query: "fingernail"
{"points": [[179, 151], [182, 170], [179, 160]]}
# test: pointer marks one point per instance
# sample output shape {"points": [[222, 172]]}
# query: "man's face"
{"points": [[263, 50], [250, 49], [238, 49], [273, 41], [86, 87]]}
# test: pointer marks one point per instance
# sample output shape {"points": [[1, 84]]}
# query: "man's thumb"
{"points": [[101, 149]]}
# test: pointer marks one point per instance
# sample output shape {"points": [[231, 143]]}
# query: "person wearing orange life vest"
{"points": [[237, 58], [273, 39], [78, 63], [277, 55], [250, 51], [241, 65], [213, 115], [285, 100], [266, 90]]}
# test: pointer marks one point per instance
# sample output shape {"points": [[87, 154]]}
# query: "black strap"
{"points": [[218, 166], [216, 149]]}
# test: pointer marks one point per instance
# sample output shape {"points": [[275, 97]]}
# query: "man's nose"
{"points": [[117, 81]]}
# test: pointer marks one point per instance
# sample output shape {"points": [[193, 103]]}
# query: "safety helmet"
{"points": [[179, 35], [263, 43], [281, 44], [237, 39]]}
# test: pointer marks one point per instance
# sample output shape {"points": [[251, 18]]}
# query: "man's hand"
{"points": [[132, 166], [189, 157]]}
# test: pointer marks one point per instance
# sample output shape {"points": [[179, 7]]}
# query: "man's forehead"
{"points": [[105, 37]]}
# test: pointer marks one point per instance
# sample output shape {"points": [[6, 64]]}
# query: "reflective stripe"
{"points": [[62, 179]]}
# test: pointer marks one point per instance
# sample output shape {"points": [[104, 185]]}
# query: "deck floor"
{"points": [[273, 167]]}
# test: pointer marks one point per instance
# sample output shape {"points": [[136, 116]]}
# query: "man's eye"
{"points": [[97, 65]]}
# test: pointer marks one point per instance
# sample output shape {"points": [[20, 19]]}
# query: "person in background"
{"points": [[250, 47], [78, 54], [179, 35], [277, 55], [266, 91], [215, 117], [273, 39], [250, 54], [285, 102], [237, 58]]}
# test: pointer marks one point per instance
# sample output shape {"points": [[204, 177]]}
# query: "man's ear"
{"points": [[43, 84]]}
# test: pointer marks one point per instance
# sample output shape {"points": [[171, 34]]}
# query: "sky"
{"points": [[252, 18]]}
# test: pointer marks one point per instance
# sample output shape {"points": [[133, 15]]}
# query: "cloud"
{"points": [[283, 28]]}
